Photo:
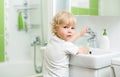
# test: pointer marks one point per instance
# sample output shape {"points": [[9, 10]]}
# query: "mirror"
{"points": [[89, 7], [95, 7]]}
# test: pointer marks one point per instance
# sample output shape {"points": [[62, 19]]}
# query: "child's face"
{"points": [[65, 32]]}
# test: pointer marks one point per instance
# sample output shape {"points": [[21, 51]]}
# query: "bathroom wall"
{"points": [[18, 43], [1, 30], [98, 23], [109, 8], [60, 5]]}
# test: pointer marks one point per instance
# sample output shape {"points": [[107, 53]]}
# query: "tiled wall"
{"points": [[1, 30], [18, 44], [92, 10]]}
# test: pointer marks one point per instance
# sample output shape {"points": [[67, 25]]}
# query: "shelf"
{"points": [[26, 7]]}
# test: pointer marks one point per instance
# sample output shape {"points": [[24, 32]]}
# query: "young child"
{"points": [[60, 46]]}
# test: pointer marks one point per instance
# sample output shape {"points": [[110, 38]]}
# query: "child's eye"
{"points": [[73, 28], [66, 27]]}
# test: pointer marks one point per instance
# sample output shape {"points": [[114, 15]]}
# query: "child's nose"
{"points": [[70, 30]]}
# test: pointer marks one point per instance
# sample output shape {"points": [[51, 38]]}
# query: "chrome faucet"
{"points": [[92, 41], [36, 41]]}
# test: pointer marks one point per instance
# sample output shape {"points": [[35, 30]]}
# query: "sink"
{"points": [[99, 58]]}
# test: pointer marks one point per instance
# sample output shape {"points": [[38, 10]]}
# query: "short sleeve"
{"points": [[70, 48]]}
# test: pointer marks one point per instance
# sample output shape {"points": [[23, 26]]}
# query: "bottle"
{"points": [[104, 41]]}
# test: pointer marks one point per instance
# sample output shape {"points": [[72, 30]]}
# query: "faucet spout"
{"points": [[92, 41]]}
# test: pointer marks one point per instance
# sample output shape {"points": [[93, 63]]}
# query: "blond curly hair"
{"points": [[63, 17]]}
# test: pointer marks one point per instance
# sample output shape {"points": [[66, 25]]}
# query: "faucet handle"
{"points": [[37, 38], [89, 30]]}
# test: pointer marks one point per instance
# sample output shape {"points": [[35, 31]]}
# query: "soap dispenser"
{"points": [[104, 41]]}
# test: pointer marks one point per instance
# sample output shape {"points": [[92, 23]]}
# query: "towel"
{"points": [[21, 23]]}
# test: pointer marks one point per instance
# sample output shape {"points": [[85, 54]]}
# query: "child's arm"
{"points": [[77, 35]]}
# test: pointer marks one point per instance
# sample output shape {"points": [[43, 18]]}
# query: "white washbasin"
{"points": [[99, 58]]}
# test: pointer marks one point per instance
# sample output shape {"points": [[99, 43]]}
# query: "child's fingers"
{"points": [[86, 28]]}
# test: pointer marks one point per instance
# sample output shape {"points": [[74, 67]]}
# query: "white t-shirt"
{"points": [[56, 57]]}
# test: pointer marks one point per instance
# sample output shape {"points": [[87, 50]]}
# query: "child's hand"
{"points": [[84, 50], [84, 30]]}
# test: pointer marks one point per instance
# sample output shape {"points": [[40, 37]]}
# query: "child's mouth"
{"points": [[69, 36]]}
